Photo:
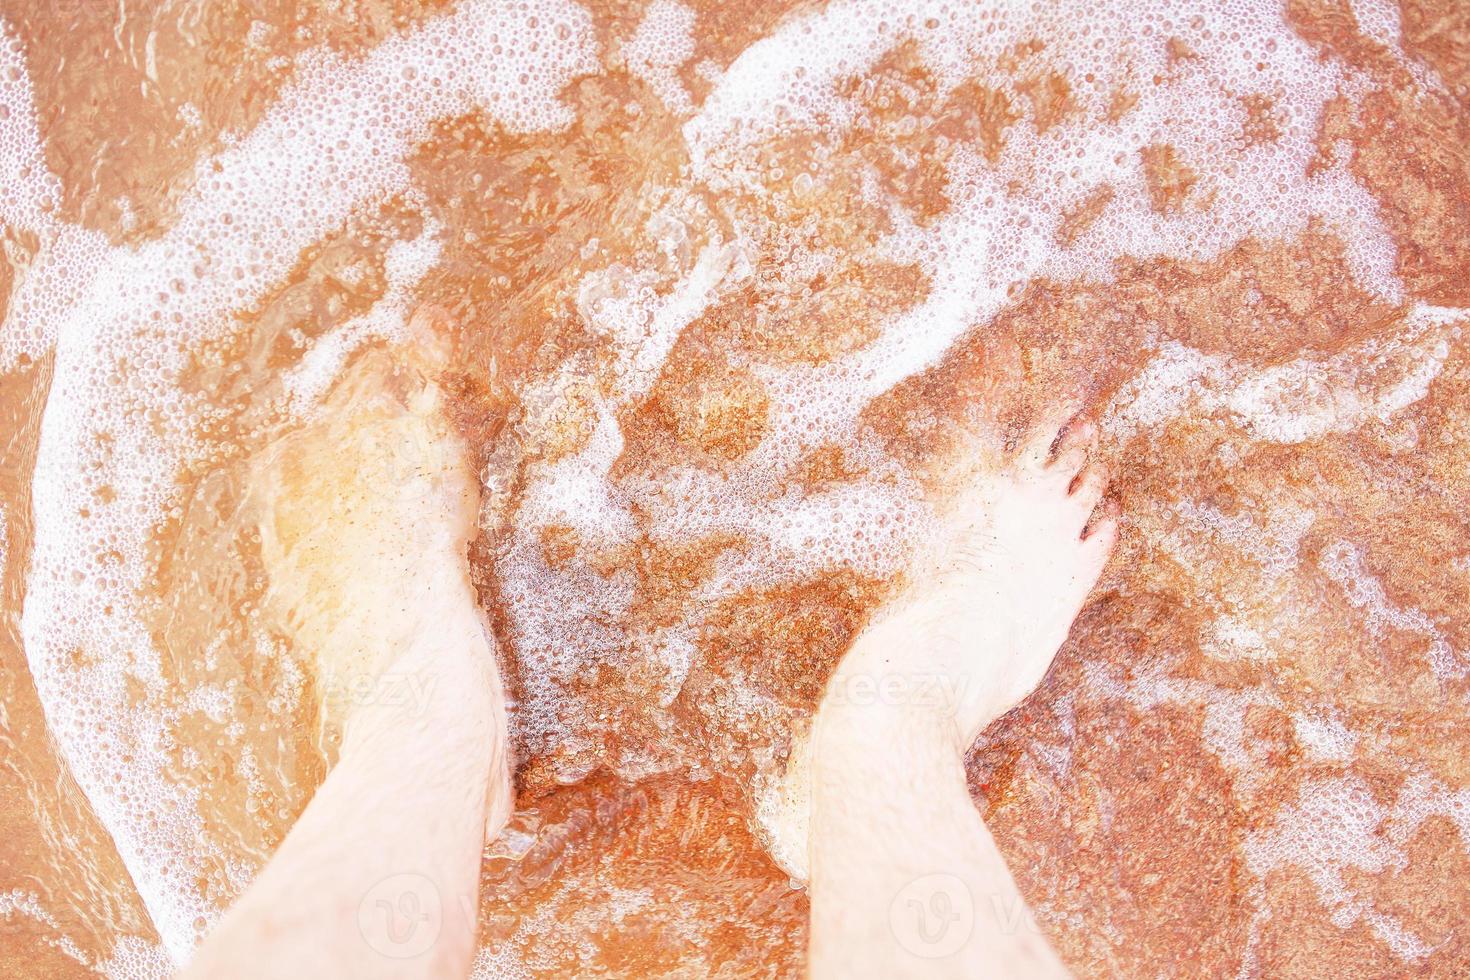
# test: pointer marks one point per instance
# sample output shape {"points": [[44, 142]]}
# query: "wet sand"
{"points": [[727, 283]]}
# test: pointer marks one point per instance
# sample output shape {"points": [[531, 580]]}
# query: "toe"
{"points": [[1067, 462], [1088, 486], [1036, 448], [1075, 445], [1101, 538], [1080, 434], [1102, 529], [1097, 548]]}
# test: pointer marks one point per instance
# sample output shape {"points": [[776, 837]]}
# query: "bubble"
{"points": [[336, 142], [254, 207]]}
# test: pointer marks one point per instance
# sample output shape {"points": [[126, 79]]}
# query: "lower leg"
{"points": [[365, 518], [905, 878]]}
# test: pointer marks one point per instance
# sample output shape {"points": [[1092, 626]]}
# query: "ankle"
{"points": [[867, 741], [919, 668]]}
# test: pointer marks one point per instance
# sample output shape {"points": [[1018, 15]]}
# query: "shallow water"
{"points": [[728, 284]]}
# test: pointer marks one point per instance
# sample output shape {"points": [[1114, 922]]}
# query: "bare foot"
{"points": [[988, 607], [365, 516], [890, 821], [983, 615]]}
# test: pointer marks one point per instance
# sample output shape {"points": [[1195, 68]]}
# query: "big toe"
{"points": [[1037, 446]]}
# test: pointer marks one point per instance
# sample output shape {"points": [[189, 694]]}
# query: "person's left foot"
{"points": [[365, 517], [364, 514]]}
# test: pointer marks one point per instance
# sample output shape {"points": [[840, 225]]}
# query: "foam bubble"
{"points": [[1335, 827], [122, 321], [663, 42]]}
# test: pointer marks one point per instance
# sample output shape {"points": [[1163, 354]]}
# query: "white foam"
{"points": [[1303, 399], [1380, 20], [1324, 735], [335, 141], [1335, 826], [55, 276], [1423, 796], [1231, 638], [405, 266], [1343, 563], [663, 42]]}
